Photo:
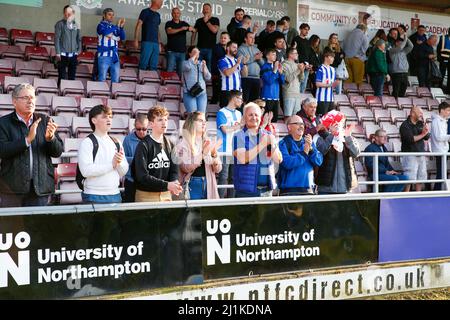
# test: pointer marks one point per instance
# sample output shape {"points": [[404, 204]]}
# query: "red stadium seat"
{"points": [[12, 82], [349, 113], [29, 68], [389, 102], [341, 100], [45, 38], [89, 43], [365, 115], [6, 105], [172, 106], [36, 53], [66, 171], [49, 70], [81, 127], [128, 75], [148, 76], [129, 62], [420, 102], [15, 52], [4, 36], [170, 91], [45, 86], [21, 36], [405, 103], [98, 89], [382, 115], [6, 66], [122, 106], [147, 91], [44, 102], [398, 116], [71, 87], [129, 45], [142, 107], [211, 110], [65, 105], [424, 92], [86, 104], [169, 78], [374, 102], [86, 57], [433, 104], [125, 89], [365, 89], [392, 130], [350, 88], [370, 129], [358, 101], [84, 71]]}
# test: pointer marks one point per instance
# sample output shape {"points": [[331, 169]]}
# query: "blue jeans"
{"points": [[197, 103], [377, 83], [392, 187], [105, 64], [149, 56], [304, 82], [206, 54], [175, 61], [92, 198], [197, 188]]}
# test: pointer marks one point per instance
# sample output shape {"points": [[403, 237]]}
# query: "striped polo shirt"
{"points": [[325, 74], [233, 82]]}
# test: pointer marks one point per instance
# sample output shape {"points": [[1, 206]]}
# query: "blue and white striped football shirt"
{"points": [[325, 74], [233, 82]]}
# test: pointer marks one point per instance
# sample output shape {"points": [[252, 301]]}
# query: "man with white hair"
{"points": [[28, 141], [309, 117], [300, 157], [255, 152]]}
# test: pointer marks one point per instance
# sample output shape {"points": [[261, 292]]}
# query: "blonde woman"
{"points": [[339, 55], [198, 160]]}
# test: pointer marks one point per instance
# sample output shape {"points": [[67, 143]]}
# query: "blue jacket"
{"points": [[245, 176], [383, 162], [297, 168], [129, 146], [109, 45], [271, 82]]}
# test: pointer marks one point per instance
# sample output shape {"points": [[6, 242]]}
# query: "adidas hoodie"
{"points": [[153, 166]]}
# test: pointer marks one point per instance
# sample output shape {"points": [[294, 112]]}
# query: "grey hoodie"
{"points": [[399, 57], [67, 40]]}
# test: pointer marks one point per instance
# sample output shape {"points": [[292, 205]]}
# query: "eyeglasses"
{"points": [[298, 123], [26, 98], [141, 129]]}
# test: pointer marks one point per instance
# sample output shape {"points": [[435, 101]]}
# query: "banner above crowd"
{"points": [[260, 10], [326, 17]]}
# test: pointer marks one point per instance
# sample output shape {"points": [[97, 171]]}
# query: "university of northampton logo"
{"points": [[19, 271], [90, 4]]}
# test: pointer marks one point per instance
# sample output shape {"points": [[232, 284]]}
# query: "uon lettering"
{"points": [[213, 247], [20, 272]]}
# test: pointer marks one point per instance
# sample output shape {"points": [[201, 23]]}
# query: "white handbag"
{"points": [[341, 71]]}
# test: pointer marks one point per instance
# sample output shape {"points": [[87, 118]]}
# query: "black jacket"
{"points": [[407, 132], [304, 49], [153, 169], [15, 157]]}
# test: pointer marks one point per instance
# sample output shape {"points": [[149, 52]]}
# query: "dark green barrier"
{"points": [[129, 250], [296, 237]]}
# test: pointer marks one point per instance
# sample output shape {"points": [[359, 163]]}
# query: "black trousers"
{"points": [[324, 107], [423, 71], [216, 83], [445, 66], [272, 105], [31, 199], [67, 67], [251, 89], [399, 84], [130, 192]]}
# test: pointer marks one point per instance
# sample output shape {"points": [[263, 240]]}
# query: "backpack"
{"points": [[79, 177]]}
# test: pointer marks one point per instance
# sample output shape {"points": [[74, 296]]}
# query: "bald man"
{"points": [[300, 156], [414, 132], [255, 151]]}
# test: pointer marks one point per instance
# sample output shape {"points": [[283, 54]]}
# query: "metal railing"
{"points": [[376, 183]]}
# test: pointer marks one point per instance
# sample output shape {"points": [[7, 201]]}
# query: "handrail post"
{"points": [[444, 170], [375, 174]]}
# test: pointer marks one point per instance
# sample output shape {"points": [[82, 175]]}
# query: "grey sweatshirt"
{"points": [[254, 66], [293, 76], [399, 57], [67, 40]]}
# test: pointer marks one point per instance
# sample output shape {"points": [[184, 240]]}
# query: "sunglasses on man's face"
{"points": [[141, 129]]}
